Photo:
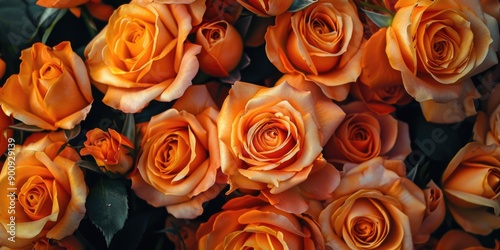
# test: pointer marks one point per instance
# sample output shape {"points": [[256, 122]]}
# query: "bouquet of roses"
{"points": [[263, 124]]}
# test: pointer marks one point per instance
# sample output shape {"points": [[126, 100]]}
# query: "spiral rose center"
{"points": [[493, 180], [215, 33], [50, 70], [35, 198]]}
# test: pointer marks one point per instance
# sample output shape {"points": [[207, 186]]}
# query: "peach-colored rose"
{"points": [[434, 213], [62, 4], [374, 207], [52, 89], [50, 190], [250, 222], [437, 46], [321, 42], [95, 7], [179, 166], [271, 141], [460, 240], [364, 135], [487, 126], [215, 39], [6, 133], [266, 8], [143, 54], [381, 100], [110, 150], [471, 184]]}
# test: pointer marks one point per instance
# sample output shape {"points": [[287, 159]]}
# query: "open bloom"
{"points": [[179, 163], [271, 141], [374, 207], [250, 222], [51, 192], [52, 89], [143, 54], [437, 46], [472, 187], [321, 42]]}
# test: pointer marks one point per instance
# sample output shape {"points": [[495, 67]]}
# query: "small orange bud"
{"points": [[222, 48]]}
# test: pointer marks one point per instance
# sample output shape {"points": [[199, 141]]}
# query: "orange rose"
{"points": [[50, 190], [437, 46], [364, 135], [487, 126], [266, 8], [2, 67], [460, 240], [5, 131], [179, 166], [215, 38], [374, 207], [381, 100], [271, 141], [250, 222], [434, 213], [111, 150], [52, 89], [321, 42], [143, 54], [472, 187]]}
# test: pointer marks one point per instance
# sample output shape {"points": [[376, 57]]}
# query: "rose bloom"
{"points": [[472, 187], [437, 46], [143, 54], [110, 150], [5, 131], [266, 8], [250, 222], [321, 42], [179, 163], [215, 38], [52, 89], [50, 189], [271, 141], [487, 126], [2, 67], [374, 207], [381, 100], [95, 7], [434, 213], [460, 240], [364, 135]]}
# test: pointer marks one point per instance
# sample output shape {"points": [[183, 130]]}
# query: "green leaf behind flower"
{"points": [[300, 4], [378, 19], [107, 206]]}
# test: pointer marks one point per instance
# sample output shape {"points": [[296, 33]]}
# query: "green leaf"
{"points": [[46, 34], [300, 4], [107, 206], [129, 128], [90, 165], [25, 127], [379, 19], [72, 133]]}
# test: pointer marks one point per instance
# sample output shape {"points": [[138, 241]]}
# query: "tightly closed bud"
{"points": [[222, 48]]}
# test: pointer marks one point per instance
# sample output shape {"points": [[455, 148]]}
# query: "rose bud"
{"points": [[110, 150], [222, 48], [266, 7]]}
